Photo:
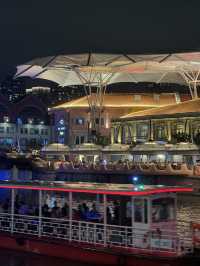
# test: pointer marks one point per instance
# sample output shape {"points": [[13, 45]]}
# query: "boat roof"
{"points": [[95, 188]]}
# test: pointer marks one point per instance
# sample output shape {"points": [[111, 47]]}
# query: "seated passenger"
{"points": [[5, 205], [55, 213], [93, 214], [65, 210], [24, 209], [45, 210]]}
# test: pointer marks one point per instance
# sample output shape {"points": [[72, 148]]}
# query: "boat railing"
{"points": [[95, 233]]}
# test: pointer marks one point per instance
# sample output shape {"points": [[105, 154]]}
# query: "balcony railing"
{"points": [[139, 167]]}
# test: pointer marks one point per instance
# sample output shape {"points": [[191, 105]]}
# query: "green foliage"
{"points": [[181, 137], [103, 140]]}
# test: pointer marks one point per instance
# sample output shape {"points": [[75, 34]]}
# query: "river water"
{"points": [[189, 206], [12, 258]]}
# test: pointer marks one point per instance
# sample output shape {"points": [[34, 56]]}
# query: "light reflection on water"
{"points": [[189, 207], [12, 258]]}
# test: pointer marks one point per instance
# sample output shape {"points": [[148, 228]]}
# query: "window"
{"points": [[140, 211], [36, 131], [156, 97], [79, 121], [160, 132], [163, 210], [6, 119], [137, 98], [1, 129], [180, 128], [142, 130], [46, 131], [32, 131], [21, 130], [25, 130], [97, 121], [10, 130], [77, 140]]}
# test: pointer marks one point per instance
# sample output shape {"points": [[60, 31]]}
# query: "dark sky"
{"points": [[34, 28]]}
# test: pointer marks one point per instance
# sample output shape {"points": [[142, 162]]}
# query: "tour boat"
{"points": [[103, 224]]}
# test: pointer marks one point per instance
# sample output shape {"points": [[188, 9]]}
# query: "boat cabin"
{"points": [[135, 218]]}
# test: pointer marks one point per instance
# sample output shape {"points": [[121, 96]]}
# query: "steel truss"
{"points": [[192, 79], [95, 85]]}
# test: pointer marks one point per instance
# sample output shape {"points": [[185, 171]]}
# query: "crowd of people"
{"points": [[83, 211]]}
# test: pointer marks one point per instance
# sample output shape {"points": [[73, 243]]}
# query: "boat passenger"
{"points": [[45, 210], [24, 209], [116, 213], [65, 210], [93, 215], [55, 213], [5, 205], [109, 215], [1, 208]]}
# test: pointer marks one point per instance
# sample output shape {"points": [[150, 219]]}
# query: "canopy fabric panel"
{"points": [[159, 68]]}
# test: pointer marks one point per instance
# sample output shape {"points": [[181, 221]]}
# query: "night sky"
{"points": [[34, 28]]}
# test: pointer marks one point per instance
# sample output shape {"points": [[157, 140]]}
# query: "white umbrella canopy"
{"points": [[67, 77], [160, 68]]}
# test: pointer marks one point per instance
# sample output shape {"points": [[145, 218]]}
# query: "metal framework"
{"points": [[192, 79], [95, 85]]}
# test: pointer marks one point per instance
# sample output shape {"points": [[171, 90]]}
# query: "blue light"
{"points": [[135, 178]]}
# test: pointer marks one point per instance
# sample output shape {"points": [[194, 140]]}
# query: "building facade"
{"points": [[171, 124], [24, 124], [72, 120]]}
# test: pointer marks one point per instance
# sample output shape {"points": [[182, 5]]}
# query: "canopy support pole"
{"points": [[98, 80], [192, 79]]}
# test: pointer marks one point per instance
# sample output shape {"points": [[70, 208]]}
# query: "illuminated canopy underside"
{"points": [[179, 68]]}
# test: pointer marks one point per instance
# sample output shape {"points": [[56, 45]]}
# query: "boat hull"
{"points": [[85, 254]]}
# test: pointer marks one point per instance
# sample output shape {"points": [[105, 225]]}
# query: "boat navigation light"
{"points": [[141, 187], [135, 178]]}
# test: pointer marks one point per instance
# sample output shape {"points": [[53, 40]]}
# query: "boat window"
{"points": [[140, 211], [55, 205], [87, 207], [163, 210], [119, 210]]}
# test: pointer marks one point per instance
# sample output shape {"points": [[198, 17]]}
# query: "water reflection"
{"points": [[12, 258]]}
